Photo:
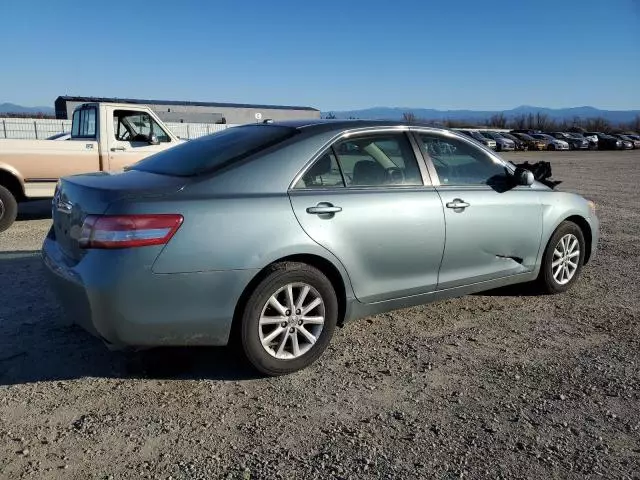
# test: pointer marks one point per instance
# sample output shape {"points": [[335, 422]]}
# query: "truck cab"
{"points": [[104, 137]]}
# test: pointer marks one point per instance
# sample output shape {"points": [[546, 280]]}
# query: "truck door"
{"points": [[133, 134]]}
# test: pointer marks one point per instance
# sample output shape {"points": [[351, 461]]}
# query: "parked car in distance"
{"points": [[628, 141], [575, 143], [488, 142], [532, 143], [519, 143], [272, 234], [503, 144], [552, 143], [60, 136], [592, 140], [607, 142]]}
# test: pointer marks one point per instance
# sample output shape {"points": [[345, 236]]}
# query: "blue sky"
{"points": [[330, 54]]}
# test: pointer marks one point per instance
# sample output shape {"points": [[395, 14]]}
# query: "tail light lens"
{"points": [[126, 231]]}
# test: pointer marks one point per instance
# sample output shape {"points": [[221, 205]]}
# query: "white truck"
{"points": [[104, 137]]}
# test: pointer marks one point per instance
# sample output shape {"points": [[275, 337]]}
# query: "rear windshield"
{"points": [[208, 153]]}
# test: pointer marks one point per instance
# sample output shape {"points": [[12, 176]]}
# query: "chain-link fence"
{"points": [[41, 129]]}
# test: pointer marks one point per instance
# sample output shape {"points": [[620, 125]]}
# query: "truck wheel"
{"points": [[8, 208]]}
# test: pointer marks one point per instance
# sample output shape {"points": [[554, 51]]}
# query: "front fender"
{"points": [[559, 206]]}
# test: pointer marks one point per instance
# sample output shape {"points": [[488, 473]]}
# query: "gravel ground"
{"points": [[500, 385]]}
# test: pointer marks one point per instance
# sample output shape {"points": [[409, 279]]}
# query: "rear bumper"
{"points": [[116, 298]]}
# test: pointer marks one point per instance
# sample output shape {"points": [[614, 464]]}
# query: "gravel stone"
{"points": [[502, 384]]}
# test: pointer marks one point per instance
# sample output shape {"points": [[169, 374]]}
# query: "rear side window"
{"points": [[208, 153], [84, 123]]}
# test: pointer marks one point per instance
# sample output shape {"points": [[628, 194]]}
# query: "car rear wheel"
{"points": [[289, 319], [551, 147], [8, 209], [563, 258]]}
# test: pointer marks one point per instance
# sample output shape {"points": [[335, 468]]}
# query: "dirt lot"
{"points": [[499, 385]]}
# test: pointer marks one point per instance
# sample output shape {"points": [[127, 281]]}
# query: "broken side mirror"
{"points": [[522, 176]]}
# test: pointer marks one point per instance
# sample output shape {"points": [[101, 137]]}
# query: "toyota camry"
{"points": [[274, 234]]}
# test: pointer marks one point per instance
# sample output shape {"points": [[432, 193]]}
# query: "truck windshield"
{"points": [[208, 153]]}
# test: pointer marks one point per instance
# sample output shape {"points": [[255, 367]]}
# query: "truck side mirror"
{"points": [[153, 139]]}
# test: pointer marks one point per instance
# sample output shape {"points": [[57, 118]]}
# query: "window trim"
{"points": [[416, 131], [357, 132], [152, 118]]}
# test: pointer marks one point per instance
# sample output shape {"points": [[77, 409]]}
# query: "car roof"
{"points": [[318, 125]]}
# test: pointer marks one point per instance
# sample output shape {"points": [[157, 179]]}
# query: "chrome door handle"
{"points": [[115, 149], [457, 203], [322, 208]]}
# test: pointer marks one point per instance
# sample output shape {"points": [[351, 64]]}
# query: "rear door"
{"points": [[128, 134], [369, 202], [493, 228]]}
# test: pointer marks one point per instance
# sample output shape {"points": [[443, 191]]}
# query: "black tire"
{"points": [[8, 209], [545, 278], [279, 276], [551, 147]]}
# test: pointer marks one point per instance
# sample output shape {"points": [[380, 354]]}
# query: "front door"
{"points": [[493, 228], [364, 200], [128, 140]]}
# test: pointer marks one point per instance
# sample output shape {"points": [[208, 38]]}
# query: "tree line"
{"points": [[536, 121], [530, 121]]}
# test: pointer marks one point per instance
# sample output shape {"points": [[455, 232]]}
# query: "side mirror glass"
{"points": [[523, 176], [153, 139]]}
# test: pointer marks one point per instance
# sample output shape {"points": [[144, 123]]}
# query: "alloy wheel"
{"points": [[1, 209], [291, 321], [566, 256]]}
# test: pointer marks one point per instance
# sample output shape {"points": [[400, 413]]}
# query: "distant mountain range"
{"points": [[13, 108], [395, 113]]}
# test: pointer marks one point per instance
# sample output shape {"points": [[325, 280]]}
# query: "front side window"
{"points": [[135, 126], [84, 123], [460, 163]]}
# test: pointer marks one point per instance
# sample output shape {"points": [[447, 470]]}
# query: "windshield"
{"points": [[208, 153]]}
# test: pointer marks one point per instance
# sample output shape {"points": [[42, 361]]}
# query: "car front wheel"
{"points": [[563, 258], [289, 319]]}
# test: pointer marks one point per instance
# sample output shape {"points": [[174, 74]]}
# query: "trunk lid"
{"points": [[91, 194]]}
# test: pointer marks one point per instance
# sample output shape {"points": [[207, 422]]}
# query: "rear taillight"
{"points": [[126, 231]]}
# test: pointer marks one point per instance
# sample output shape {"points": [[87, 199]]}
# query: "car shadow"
{"points": [[36, 345], [35, 210]]}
